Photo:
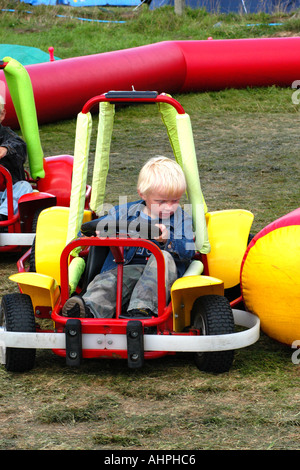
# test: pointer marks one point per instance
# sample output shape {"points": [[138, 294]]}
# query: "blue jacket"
{"points": [[181, 238], [16, 153]]}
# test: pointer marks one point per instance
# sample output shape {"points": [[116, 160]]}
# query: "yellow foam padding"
{"points": [[21, 92], [180, 134], [51, 239], [76, 269], [271, 283], [168, 116], [42, 289], [101, 163], [190, 168], [195, 268], [228, 233], [79, 176], [185, 291]]}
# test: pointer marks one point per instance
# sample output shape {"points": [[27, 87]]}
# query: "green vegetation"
{"points": [[122, 28], [248, 149]]}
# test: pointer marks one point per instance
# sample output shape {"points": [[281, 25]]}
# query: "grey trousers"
{"points": [[139, 287]]}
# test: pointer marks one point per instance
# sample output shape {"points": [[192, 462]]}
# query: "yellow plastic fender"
{"points": [[43, 290], [185, 291], [228, 233]]}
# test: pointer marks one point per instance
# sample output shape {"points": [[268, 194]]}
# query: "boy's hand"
{"points": [[164, 236], [3, 152]]}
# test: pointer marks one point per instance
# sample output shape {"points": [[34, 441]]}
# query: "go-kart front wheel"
{"points": [[212, 315], [16, 314]]}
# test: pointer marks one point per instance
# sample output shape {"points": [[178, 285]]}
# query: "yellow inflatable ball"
{"points": [[270, 278]]}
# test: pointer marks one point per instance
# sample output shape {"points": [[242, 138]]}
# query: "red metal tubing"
{"points": [[9, 192], [21, 261], [116, 242], [162, 98]]}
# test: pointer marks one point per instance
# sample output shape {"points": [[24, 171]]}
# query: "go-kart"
{"points": [[198, 318], [50, 177]]}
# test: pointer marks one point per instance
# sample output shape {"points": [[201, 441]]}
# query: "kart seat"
{"points": [[94, 263], [58, 178]]}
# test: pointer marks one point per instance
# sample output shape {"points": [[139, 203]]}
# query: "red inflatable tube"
{"points": [[62, 87], [239, 63]]}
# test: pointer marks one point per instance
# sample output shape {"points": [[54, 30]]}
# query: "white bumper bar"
{"points": [[167, 343], [16, 239]]}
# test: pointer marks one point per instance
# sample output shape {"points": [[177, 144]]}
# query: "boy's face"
{"points": [[2, 115], [161, 205]]}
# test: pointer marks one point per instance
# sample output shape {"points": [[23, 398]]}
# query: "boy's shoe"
{"points": [[139, 313], [75, 307]]}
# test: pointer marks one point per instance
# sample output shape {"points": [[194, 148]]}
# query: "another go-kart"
{"points": [[198, 318], [50, 177]]}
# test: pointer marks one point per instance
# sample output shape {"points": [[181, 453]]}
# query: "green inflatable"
{"points": [[20, 88]]}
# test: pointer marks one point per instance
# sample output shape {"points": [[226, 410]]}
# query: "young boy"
{"points": [[161, 184], [12, 157]]}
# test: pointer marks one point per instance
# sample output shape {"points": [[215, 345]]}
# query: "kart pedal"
{"points": [[73, 342], [135, 344]]}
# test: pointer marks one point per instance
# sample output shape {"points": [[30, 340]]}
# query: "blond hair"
{"points": [[161, 174]]}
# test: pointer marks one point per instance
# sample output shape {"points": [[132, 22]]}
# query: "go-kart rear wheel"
{"points": [[32, 252], [212, 315], [16, 314]]}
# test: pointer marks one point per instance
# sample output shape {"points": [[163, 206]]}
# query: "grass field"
{"points": [[247, 147]]}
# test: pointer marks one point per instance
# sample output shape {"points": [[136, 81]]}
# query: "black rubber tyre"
{"points": [[16, 314], [33, 230], [212, 315], [32, 267]]}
